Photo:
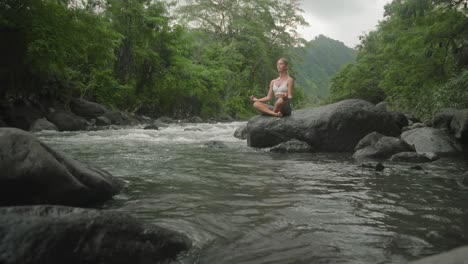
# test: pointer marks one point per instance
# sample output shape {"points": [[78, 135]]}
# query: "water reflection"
{"points": [[242, 205]]}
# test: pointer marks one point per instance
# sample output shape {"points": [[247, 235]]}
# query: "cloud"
{"points": [[341, 20]]}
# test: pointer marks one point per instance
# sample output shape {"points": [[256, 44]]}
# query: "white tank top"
{"points": [[283, 88]]}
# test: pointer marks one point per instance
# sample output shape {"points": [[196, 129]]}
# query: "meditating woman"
{"points": [[282, 89]]}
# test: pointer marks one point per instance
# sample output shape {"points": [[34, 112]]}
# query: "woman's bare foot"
{"points": [[279, 114]]}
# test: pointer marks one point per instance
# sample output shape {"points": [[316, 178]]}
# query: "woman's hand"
{"points": [[253, 98]]}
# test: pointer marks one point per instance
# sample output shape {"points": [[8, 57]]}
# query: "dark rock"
{"points": [[412, 119], [428, 139], [377, 166], [120, 118], [241, 132], [431, 155], [215, 144], [455, 256], [42, 124], [334, 127], [374, 146], [194, 129], [465, 179], [67, 121], [58, 234], [103, 121], [382, 106], [159, 124], [33, 173], [195, 119], [417, 167], [152, 127], [399, 118], [86, 108], [443, 119], [22, 113], [292, 146], [413, 157], [459, 125]]}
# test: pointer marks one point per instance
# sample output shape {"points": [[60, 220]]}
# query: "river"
{"points": [[243, 205]]}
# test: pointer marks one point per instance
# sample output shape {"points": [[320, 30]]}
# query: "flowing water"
{"points": [[244, 205]]}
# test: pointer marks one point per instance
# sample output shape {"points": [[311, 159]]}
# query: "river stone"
{"points": [[86, 108], [58, 234], [459, 125], [413, 157], [400, 119], [443, 119], [151, 127], [33, 173], [215, 144], [428, 139], [103, 121], [335, 127], [455, 256], [67, 121], [382, 106], [241, 132], [120, 118], [42, 124], [382, 148], [292, 146]]}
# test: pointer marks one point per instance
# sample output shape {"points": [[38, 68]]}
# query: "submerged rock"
{"points": [[33, 173], [413, 157], [58, 234], [292, 146], [334, 127], [215, 144]]}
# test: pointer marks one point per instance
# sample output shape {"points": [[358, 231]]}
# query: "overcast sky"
{"points": [[343, 20]]}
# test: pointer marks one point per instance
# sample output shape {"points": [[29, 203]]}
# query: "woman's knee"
{"points": [[256, 104]]}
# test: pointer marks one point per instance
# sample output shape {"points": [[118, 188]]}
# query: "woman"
{"points": [[282, 89]]}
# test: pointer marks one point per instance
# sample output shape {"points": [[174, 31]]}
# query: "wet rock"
{"points": [[399, 118], [86, 108], [334, 127], [103, 121], [33, 173], [414, 126], [431, 155], [151, 127], [413, 157], [167, 120], [215, 144], [58, 234], [459, 125], [241, 132], [378, 146], [443, 119], [428, 139], [120, 118], [22, 113], [42, 124], [67, 121], [455, 256], [377, 166], [292, 146], [194, 129]]}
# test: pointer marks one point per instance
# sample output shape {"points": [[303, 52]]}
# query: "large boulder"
{"points": [[33, 173], [67, 121], [459, 125], [42, 124], [86, 108], [428, 139], [22, 113], [455, 256], [412, 157], [334, 127], [120, 118], [58, 234], [443, 119], [378, 146]]}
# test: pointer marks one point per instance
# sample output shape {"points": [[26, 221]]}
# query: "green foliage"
{"points": [[317, 62], [411, 59]]}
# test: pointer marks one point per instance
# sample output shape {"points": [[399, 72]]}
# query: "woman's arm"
{"points": [[290, 88], [266, 98]]}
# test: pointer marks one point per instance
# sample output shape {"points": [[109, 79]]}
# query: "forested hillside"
{"points": [[135, 56], [417, 59], [319, 60]]}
